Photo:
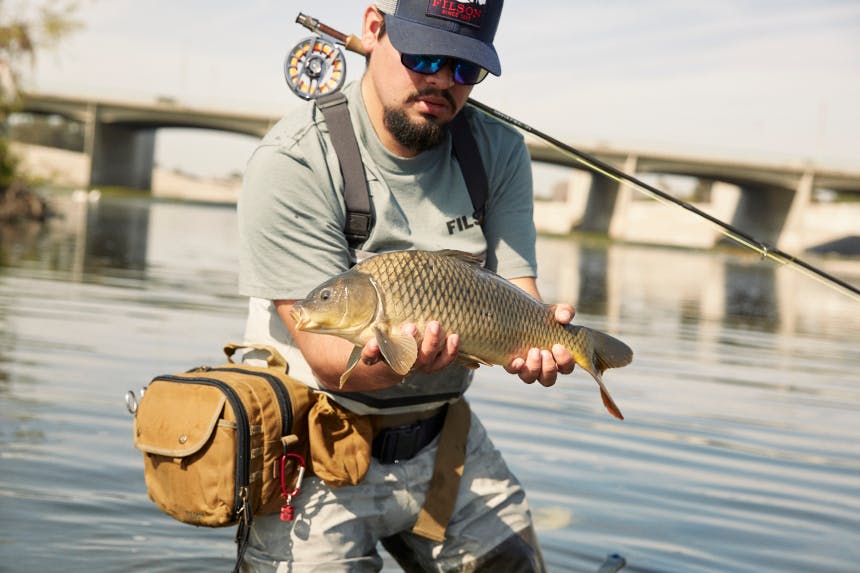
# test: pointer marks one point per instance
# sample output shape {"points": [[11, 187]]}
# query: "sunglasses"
{"points": [[465, 73]]}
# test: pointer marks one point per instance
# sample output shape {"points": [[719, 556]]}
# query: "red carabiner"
{"points": [[288, 512]]}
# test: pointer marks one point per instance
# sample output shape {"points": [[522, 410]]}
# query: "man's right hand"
{"points": [[435, 351]]}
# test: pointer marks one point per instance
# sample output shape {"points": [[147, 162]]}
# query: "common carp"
{"points": [[496, 320]]}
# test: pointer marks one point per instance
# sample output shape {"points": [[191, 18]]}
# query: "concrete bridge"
{"points": [[773, 202], [119, 137]]}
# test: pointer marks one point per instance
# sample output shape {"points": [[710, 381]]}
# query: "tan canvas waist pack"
{"points": [[226, 443], [222, 444]]}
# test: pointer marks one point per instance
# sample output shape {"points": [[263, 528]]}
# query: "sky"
{"points": [[768, 80]]}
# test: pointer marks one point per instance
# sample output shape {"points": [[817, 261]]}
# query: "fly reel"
{"points": [[315, 67]]}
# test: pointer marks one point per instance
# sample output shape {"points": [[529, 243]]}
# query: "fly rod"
{"points": [[591, 163]]}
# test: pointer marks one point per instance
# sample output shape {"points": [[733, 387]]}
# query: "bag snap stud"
{"points": [[183, 438]]}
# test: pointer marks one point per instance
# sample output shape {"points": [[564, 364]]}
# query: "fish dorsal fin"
{"points": [[399, 350], [461, 255]]}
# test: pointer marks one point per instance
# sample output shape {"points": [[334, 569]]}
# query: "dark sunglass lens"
{"points": [[423, 64], [467, 73]]}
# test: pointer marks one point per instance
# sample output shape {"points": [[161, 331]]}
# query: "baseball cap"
{"points": [[463, 30]]}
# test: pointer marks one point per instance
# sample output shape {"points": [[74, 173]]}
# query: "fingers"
{"points": [[529, 368], [447, 354], [564, 313], [371, 354], [563, 359], [542, 366], [436, 350]]}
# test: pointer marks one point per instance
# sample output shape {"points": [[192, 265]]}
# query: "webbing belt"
{"points": [[356, 195]]}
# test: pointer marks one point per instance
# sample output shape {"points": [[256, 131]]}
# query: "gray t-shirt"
{"points": [[292, 213]]}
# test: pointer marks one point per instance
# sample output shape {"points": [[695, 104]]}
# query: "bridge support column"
{"points": [[121, 155], [791, 238], [608, 201], [761, 212], [618, 222]]}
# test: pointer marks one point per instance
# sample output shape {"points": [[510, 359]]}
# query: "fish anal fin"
{"points": [[350, 364], [399, 350], [610, 404], [471, 361]]}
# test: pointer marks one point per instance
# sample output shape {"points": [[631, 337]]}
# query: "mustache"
{"points": [[431, 91]]}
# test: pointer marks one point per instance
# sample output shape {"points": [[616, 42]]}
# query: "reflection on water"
{"points": [[116, 235], [593, 292], [751, 296], [740, 450]]}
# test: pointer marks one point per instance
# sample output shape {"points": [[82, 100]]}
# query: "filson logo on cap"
{"points": [[468, 13]]}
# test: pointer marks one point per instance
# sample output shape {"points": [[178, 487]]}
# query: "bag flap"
{"points": [[176, 419]]}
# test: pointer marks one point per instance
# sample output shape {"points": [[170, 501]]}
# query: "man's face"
{"points": [[413, 108]]}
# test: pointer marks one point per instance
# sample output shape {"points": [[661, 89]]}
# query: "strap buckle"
{"points": [[358, 226]]}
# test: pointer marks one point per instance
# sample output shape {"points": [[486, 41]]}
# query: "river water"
{"points": [[740, 451]]}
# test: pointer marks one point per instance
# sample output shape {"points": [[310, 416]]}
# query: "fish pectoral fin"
{"points": [[354, 356], [399, 350], [471, 361]]}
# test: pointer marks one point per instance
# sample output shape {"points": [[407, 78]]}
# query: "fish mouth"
{"points": [[305, 322], [300, 317]]}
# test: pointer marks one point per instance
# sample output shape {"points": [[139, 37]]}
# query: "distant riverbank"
{"points": [[69, 169], [828, 227]]}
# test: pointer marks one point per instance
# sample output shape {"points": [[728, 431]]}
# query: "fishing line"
{"points": [[353, 44], [595, 165]]}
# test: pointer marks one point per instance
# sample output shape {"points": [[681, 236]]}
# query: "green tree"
{"points": [[25, 30]]}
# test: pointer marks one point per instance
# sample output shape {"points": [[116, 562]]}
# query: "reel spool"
{"points": [[315, 67]]}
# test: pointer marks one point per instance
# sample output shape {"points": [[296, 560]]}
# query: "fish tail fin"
{"points": [[609, 352]]}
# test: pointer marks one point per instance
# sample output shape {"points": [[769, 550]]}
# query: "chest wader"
{"points": [[451, 453]]}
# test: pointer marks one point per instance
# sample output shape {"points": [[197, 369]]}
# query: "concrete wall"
{"points": [[71, 169]]}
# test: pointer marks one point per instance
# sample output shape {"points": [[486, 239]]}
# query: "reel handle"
{"points": [[351, 42]]}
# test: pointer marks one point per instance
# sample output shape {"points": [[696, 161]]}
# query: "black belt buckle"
{"points": [[401, 443], [397, 444]]}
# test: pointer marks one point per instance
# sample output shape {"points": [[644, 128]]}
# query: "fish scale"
{"points": [[495, 320], [444, 288]]}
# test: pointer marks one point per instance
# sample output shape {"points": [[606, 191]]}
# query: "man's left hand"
{"points": [[544, 365]]}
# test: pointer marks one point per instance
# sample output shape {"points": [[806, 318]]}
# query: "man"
{"points": [[424, 57]]}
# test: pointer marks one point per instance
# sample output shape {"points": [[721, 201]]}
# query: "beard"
{"points": [[421, 135]]}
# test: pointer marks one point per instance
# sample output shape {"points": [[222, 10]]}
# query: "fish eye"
{"points": [[325, 294]]}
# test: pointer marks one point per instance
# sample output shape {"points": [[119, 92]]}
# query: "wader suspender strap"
{"points": [[359, 217], [356, 195], [447, 470], [469, 158]]}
